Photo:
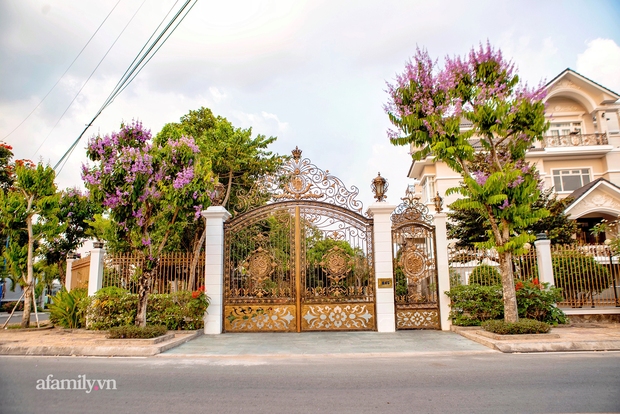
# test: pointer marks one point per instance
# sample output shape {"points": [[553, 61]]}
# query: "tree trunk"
{"points": [[511, 312], [30, 275], [194, 264], [144, 287]]}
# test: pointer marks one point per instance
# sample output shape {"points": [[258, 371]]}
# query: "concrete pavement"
{"points": [[63, 342]]}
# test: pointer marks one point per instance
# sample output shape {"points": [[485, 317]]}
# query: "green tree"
{"points": [[427, 104], [468, 227], [29, 208], [233, 156], [74, 214]]}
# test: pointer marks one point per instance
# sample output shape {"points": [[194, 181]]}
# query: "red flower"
{"points": [[519, 285], [535, 281], [196, 294]]}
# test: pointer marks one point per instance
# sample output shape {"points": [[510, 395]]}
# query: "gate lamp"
{"points": [[219, 191], [379, 186]]}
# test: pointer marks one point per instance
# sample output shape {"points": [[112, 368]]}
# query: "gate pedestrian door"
{"points": [[304, 260], [415, 266]]}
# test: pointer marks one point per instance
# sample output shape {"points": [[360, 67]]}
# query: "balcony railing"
{"points": [[574, 140]]}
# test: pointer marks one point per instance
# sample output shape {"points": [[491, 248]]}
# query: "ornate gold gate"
{"points": [[415, 266], [302, 262]]}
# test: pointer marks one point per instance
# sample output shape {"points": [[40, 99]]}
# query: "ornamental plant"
{"points": [[426, 106], [147, 187]]}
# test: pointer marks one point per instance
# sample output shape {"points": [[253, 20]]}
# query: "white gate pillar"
{"points": [[382, 239], [443, 269], [214, 267], [544, 260], [70, 260], [95, 271]]}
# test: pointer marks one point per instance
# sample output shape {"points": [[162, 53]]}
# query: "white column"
{"points": [[70, 260], [382, 239], [214, 267], [543, 259], [95, 271], [443, 269]]}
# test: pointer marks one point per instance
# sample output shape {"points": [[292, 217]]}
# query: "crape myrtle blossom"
{"points": [[150, 189], [428, 103]]}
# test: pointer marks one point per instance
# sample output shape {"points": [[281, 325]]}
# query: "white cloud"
{"points": [[216, 94], [601, 63]]}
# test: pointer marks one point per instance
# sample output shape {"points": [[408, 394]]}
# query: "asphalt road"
{"points": [[492, 383], [17, 317]]}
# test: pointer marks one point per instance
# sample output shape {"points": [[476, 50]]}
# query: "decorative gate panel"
{"points": [[415, 269], [302, 262]]}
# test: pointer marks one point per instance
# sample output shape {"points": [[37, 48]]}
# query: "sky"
{"points": [[312, 73]]}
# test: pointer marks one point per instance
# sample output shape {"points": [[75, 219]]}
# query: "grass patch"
{"points": [[524, 326], [137, 332]]}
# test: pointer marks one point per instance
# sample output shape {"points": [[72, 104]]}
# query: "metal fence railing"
{"points": [[172, 274], [587, 275], [481, 266]]}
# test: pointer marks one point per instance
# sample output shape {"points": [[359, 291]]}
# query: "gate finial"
{"points": [[296, 153]]}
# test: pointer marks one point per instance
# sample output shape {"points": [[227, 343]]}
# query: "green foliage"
{"points": [[523, 326], [136, 332], [579, 275], [473, 304], [113, 306], [29, 216], [537, 301], [8, 306], [67, 310], [485, 275], [469, 227]]}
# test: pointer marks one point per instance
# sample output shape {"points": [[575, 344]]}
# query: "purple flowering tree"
{"points": [[146, 188], [427, 106]]}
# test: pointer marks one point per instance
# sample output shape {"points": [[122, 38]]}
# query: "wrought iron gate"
{"points": [[415, 266], [302, 262]]}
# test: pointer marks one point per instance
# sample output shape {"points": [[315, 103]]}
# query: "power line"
{"points": [[134, 68], [90, 76], [63, 75]]}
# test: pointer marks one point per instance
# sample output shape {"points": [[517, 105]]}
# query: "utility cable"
{"points": [[91, 75], [127, 77], [155, 52], [63, 75]]}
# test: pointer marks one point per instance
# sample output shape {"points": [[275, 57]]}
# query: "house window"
{"points": [[428, 189], [564, 128], [570, 180]]}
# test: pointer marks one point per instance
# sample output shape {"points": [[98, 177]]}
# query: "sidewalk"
{"points": [[576, 337], [64, 342]]}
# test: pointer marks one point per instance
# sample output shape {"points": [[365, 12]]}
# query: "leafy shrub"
{"points": [[485, 275], [113, 306], [138, 332], [8, 306], [67, 309], [523, 326], [537, 301], [472, 304]]}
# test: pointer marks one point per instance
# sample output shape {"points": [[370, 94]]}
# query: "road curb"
{"points": [[115, 350]]}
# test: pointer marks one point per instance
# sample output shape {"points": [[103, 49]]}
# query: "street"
{"points": [[488, 383]]}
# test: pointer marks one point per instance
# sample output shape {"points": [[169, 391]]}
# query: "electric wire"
{"points": [[91, 75], [63, 75], [129, 76]]}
